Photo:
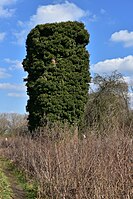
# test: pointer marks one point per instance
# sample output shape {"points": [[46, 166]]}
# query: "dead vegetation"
{"points": [[73, 168]]}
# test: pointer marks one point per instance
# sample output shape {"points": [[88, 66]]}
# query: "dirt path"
{"points": [[18, 192]]}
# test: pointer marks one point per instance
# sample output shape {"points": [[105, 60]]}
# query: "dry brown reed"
{"points": [[68, 167]]}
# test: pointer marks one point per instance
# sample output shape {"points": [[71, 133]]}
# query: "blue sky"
{"points": [[111, 39]]}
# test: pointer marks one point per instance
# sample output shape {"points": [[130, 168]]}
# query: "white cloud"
{"points": [[92, 18], [6, 12], [9, 86], [14, 64], [123, 36], [123, 65], [17, 90], [3, 73], [131, 100], [17, 95], [21, 36], [20, 23], [59, 12], [102, 11], [129, 80], [2, 36], [6, 2]]}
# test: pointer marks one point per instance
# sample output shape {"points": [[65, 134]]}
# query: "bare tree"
{"points": [[109, 103]]}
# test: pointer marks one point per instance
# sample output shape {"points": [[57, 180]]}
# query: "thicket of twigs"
{"points": [[92, 162], [12, 124], [73, 168]]}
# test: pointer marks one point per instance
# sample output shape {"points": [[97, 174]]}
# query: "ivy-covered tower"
{"points": [[58, 79]]}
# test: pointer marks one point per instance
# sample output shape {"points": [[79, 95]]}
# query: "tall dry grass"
{"points": [[68, 167]]}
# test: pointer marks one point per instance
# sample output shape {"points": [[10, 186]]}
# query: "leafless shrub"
{"points": [[108, 104], [72, 168], [12, 123]]}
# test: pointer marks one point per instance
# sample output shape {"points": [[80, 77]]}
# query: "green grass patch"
{"points": [[29, 186], [5, 190]]}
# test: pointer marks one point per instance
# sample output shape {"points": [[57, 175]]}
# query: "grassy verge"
{"points": [[5, 190], [29, 187]]}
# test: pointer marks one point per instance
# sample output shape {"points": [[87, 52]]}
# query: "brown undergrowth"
{"points": [[68, 167]]}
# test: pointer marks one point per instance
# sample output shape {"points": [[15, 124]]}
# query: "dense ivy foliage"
{"points": [[57, 63]]}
